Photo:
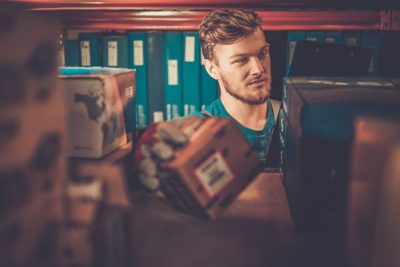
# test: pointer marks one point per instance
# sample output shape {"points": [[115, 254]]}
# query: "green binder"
{"points": [[191, 73], [155, 76], [115, 51], [293, 37], [173, 74], [137, 59], [90, 49], [71, 53]]}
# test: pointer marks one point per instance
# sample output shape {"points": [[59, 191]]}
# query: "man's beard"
{"points": [[258, 100]]}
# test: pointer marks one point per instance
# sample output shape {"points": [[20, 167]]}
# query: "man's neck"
{"points": [[250, 116]]}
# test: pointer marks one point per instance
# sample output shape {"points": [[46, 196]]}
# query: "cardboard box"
{"points": [[209, 172], [373, 142], [97, 215], [94, 111], [320, 112], [32, 165], [387, 239]]}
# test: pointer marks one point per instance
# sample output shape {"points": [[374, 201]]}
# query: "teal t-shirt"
{"points": [[258, 140]]}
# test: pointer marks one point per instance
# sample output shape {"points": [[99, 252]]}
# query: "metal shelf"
{"points": [[186, 15], [205, 4], [189, 20]]}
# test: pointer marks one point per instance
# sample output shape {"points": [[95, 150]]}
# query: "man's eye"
{"points": [[264, 54], [240, 60]]}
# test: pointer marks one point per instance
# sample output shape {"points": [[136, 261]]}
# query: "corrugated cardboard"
{"points": [[94, 114], [209, 172]]}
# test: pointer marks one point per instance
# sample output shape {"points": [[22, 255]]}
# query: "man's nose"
{"points": [[256, 67]]}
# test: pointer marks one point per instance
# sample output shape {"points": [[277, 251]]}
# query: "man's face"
{"points": [[244, 68]]}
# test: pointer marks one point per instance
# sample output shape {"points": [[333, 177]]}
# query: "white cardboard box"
{"points": [[94, 115]]}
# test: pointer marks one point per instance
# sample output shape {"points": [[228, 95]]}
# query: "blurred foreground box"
{"points": [[317, 125], [32, 166], [372, 210], [94, 102]]}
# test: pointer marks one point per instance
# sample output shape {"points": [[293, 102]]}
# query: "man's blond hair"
{"points": [[225, 27]]}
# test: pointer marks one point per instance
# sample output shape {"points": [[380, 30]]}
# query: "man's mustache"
{"points": [[257, 80]]}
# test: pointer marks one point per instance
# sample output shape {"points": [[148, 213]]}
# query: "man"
{"points": [[237, 55]]}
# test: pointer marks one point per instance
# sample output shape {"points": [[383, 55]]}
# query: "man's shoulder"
{"points": [[214, 109]]}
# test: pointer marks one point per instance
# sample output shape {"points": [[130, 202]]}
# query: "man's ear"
{"points": [[211, 69]]}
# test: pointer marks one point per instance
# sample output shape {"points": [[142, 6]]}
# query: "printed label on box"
{"points": [[214, 174], [189, 48], [129, 92], [172, 72], [85, 53], [138, 53], [112, 53]]}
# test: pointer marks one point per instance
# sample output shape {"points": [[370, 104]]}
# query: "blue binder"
{"points": [[115, 55], [90, 49], [155, 76], [137, 59], [208, 85], [71, 53], [191, 73], [173, 74], [291, 46], [115, 51]]}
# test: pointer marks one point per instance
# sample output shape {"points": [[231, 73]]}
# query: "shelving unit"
{"points": [[189, 20], [186, 15], [270, 202]]}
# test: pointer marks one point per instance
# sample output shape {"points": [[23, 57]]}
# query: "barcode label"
{"points": [[85, 53], [129, 92], [214, 174], [138, 53], [112, 53]]}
